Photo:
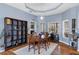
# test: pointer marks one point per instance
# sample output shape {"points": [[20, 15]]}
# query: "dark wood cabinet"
{"points": [[15, 32]]}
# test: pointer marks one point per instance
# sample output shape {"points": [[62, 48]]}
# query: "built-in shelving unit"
{"points": [[15, 32], [73, 25], [32, 27]]}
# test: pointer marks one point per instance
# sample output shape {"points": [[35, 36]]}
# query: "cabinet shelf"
{"points": [[15, 30]]}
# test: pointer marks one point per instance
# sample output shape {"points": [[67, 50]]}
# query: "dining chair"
{"points": [[47, 39], [31, 42], [34, 42]]}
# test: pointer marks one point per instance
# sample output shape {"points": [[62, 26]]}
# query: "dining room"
{"points": [[39, 28]]}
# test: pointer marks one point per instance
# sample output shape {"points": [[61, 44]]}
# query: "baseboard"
{"points": [[64, 42], [2, 50]]}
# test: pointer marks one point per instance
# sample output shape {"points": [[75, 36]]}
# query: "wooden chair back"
{"points": [[46, 35], [30, 39]]}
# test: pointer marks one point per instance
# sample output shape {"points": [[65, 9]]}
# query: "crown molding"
{"points": [[32, 10]]}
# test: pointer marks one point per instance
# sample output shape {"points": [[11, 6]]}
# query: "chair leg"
{"points": [[45, 46], [48, 44], [49, 41], [29, 48], [34, 47], [38, 48]]}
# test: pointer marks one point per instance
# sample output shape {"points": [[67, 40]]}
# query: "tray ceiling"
{"points": [[43, 9]]}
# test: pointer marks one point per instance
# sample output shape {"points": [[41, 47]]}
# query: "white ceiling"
{"points": [[42, 6], [43, 9]]}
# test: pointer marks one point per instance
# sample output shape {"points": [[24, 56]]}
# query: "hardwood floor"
{"points": [[63, 49], [66, 50]]}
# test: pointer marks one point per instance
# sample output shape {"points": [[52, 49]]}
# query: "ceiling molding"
{"points": [[32, 10], [56, 10]]}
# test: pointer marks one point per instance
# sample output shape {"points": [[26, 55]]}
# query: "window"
{"points": [[53, 27], [65, 28], [42, 27]]}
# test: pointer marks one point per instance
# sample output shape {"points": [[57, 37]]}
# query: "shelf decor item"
{"points": [[8, 21]]}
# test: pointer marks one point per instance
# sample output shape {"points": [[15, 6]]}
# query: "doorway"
{"points": [[53, 27]]}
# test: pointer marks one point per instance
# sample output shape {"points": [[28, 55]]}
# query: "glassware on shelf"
{"points": [[8, 38], [15, 22], [9, 44], [15, 27], [14, 32], [14, 38], [19, 22], [8, 27]]}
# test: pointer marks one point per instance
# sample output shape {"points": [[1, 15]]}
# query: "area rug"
{"points": [[24, 50]]}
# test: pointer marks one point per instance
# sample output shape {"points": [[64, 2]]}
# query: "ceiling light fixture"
{"points": [[42, 18]]}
